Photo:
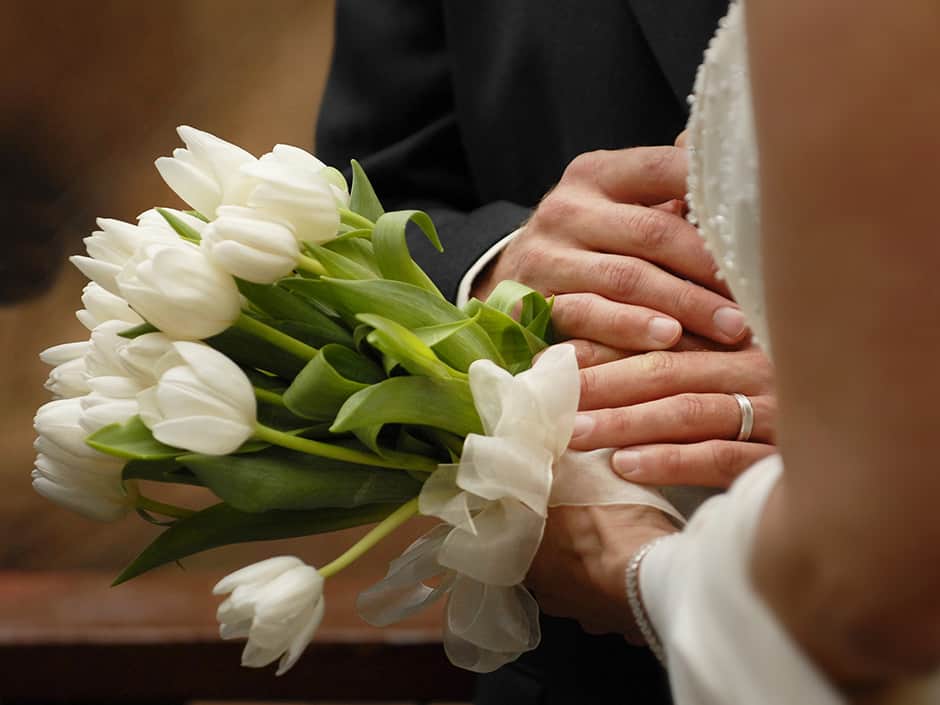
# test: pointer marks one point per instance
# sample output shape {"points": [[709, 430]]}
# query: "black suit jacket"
{"points": [[471, 109]]}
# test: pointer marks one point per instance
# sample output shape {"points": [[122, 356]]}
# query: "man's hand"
{"points": [[674, 416], [580, 568], [627, 270]]}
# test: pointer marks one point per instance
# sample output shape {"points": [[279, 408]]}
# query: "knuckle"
{"points": [[530, 263], [726, 458], [670, 459], [650, 229], [575, 313], [691, 410], [555, 212], [623, 276], [659, 364], [589, 383], [656, 164], [688, 298], [584, 166]]}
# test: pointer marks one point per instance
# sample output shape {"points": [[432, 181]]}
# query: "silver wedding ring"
{"points": [[747, 417]]}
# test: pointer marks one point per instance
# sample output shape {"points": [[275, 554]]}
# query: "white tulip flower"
{"points": [[68, 377], [205, 174], [101, 305], [295, 186], [58, 423], [90, 487], [206, 404], [178, 290], [110, 248], [277, 604], [99, 410], [249, 246], [143, 355]]}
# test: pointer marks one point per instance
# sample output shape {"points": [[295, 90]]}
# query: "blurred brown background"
{"points": [[91, 96]]}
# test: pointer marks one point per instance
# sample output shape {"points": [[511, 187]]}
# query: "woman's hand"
{"points": [[673, 415], [579, 571]]}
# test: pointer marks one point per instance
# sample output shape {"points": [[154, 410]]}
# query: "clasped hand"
{"points": [[662, 347]]}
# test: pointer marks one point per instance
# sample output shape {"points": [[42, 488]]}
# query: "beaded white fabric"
{"points": [[723, 195], [723, 645]]}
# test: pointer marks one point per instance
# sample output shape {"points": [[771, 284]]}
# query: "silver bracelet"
{"points": [[636, 603]]}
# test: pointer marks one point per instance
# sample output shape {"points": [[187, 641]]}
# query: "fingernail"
{"points": [[663, 330], [730, 321], [625, 462], [583, 424]]}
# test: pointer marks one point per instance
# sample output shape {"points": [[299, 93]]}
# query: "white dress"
{"points": [[723, 643]]}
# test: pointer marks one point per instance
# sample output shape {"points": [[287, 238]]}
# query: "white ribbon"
{"points": [[494, 504]]}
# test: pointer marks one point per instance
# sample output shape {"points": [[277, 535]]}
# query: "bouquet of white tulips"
{"points": [[278, 346]]}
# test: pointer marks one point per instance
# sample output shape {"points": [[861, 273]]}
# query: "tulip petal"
{"points": [[203, 434]]}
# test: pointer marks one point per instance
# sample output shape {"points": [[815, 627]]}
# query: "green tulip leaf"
{"points": [[292, 312], [407, 305], [168, 470], [251, 351], [328, 380], [184, 230], [131, 440], [391, 248], [362, 198], [277, 478], [516, 344], [139, 330], [422, 401], [339, 266], [358, 249], [407, 349], [221, 525]]}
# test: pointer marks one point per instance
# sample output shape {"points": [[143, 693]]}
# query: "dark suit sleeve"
{"points": [[389, 104]]}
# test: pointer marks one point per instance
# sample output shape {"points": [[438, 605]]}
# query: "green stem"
{"points": [[275, 337], [354, 219], [363, 545], [395, 460], [311, 265], [169, 510], [269, 397]]}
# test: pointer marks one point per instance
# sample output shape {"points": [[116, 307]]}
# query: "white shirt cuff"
{"points": [[463, 290]]}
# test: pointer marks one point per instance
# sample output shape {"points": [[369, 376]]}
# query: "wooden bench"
{"points": [[69, 637]]}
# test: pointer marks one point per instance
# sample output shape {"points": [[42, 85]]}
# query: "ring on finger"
{"points": [[747, 417]]}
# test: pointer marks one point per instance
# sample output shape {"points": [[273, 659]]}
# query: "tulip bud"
{"points": [[251, 247], [295, 186], [142, 355], [68, 377], [277, 604], [101, 305], [205, 174], [178, 290], [92, 488], [58, 423], [112, 246], [206, 404]]}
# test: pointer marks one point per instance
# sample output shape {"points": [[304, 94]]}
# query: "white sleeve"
{"points": [[723, 644], [466, 284]]}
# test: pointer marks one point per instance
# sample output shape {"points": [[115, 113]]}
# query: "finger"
{"points": [[643, 175], [660, 374], [675, 207], [684, 418], [689, 342], [682, 140], [611, 323], [654, 235], [590, 353], [708, 464], [634, 281]]}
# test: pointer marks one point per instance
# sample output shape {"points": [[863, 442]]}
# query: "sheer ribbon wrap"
{"points": [[494, 504]]}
